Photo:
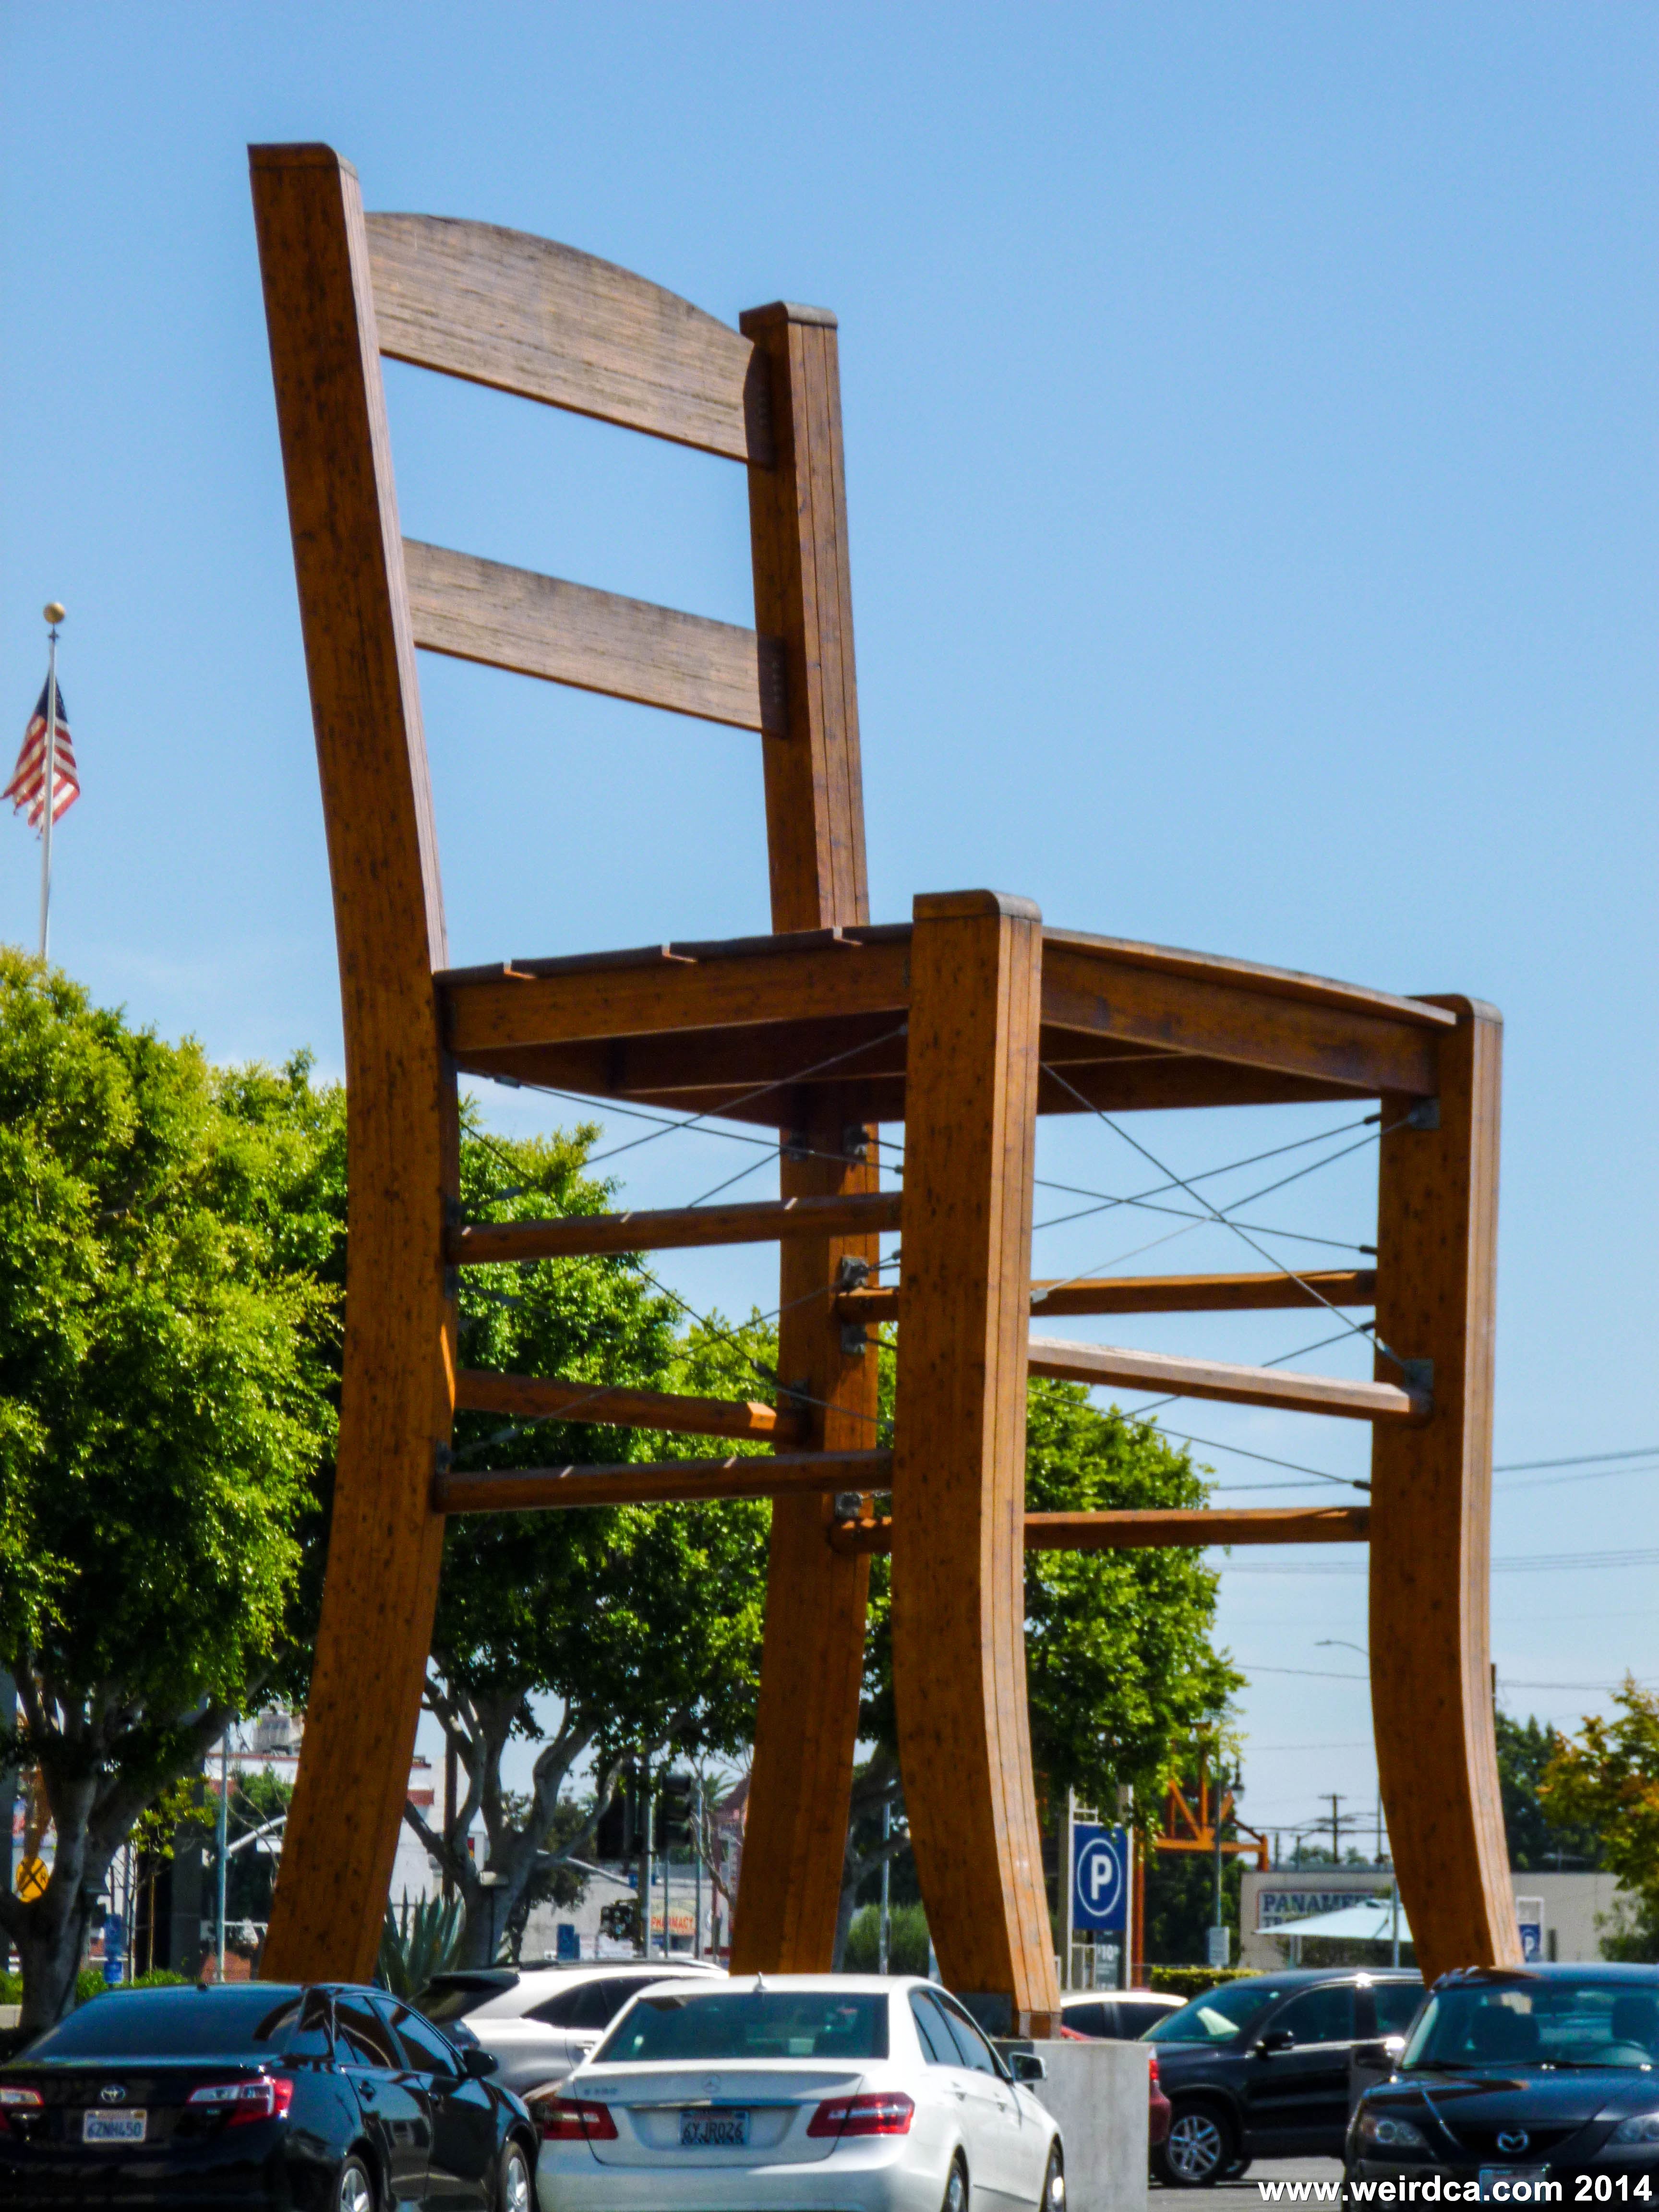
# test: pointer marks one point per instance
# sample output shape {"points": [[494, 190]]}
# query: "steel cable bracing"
{"points": [[1224, 1221], [1209, 1175]]}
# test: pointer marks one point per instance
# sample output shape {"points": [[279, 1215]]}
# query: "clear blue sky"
{"points": [[1250, 427]]}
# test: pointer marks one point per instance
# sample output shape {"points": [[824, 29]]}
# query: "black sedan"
{"points": [[1510, 2079], [263, 2094], [1259, 2066]]}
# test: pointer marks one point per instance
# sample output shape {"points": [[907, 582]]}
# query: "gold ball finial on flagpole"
{"points": [[53, 611]]}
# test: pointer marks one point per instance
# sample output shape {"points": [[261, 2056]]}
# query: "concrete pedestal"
{"points": [[1098, 2094]]}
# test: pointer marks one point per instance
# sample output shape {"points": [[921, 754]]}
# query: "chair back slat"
{"points": [[596, 641], [525, 315]]}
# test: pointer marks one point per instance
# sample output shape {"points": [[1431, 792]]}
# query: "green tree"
{"points": [[1526, 1750], [166, 1330], [1119, 1663], [638, 1626], [1606, 1778]]}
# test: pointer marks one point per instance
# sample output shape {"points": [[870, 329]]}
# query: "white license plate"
{"points": [[113, 2127], [714, 2130], [1510, 2175]]}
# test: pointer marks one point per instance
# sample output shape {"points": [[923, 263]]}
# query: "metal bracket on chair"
{"points": [[855, 1141], [855, 1339], [442, 1459], [1420, 1375], [851, 1273], [1426, 1114], [797, 1146], [848, 1504]]}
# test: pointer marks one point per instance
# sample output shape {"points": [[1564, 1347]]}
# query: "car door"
{"points": [[1011, 2152], [461, 2162], [395, 2111], [1296, 2082]]}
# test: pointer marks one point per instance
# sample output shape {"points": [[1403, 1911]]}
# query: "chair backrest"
{"points": [[548, 323]]}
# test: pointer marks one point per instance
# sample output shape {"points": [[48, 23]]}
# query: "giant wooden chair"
{"points": [[963, 1024]]}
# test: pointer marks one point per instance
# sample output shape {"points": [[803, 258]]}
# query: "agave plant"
{"points": [[419, 1940]]}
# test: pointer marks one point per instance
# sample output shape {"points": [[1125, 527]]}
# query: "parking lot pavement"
{"points": [[1318, 2170]]}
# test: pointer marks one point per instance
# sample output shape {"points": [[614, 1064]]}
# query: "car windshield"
{"points": [[187, 2023], [1584, 2021], [1216, 2016], [451, 1997], [750, 2024]]}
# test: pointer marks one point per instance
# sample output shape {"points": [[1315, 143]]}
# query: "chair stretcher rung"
{"points": [[544, 1489], [1213, 1378], [1143, 1529], [611, 1406], [1137, 1294], [767, 1221]]}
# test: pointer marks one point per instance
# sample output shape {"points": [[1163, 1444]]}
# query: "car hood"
{"points": [[1526, 2097]]}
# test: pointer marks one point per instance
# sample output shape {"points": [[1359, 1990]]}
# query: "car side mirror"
{"points": [[1381, 2053], [1280, 2040], [1027, 2066], [477, 2062]]}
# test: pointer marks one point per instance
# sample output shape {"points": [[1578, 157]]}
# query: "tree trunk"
{"points": [[50, 1938]]}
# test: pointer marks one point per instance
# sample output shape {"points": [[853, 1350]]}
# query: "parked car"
{"points": [[1260, 2067], [1509, 2080], [1123, 2016], [844, 2090], [333, 2098], [540, 2021], [1118, 2014]]}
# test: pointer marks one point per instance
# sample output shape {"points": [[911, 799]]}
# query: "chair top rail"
{"points": [[525, 315]]}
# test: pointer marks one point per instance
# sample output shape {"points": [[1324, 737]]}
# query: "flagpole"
{"points": [[54, 615]]}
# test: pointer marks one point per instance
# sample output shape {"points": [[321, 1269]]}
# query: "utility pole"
{"points": [[1336, 1835], [647, 1854], [884, 1940]]}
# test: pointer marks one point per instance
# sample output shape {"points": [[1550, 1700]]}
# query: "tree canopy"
{"points": [[1526, 1751], [167, 1235], [1605, 1780], [642, 1625]]}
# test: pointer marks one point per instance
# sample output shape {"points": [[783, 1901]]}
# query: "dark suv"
{"points": [[1260, 2067]]}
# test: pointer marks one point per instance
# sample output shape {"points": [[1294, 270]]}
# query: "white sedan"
{"points": [[808, 2092]]}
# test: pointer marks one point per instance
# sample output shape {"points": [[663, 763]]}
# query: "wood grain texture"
{"points": [[1137, 1294], [1145, 1529], [812, 1667], [1336, 1035], [565, 1489], [360, 656], [678, 992], [1378, 1402], [766, 1221], [525, 315], [604, 1405], [538, 625], [806, 1725], [959, 1450], [1431, 1698], [804, 596]]}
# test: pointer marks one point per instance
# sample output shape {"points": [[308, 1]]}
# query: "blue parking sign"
{"points": [[1100, 1878]]}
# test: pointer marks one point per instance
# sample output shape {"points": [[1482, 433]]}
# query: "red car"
{"points": [[1157, 2104]]}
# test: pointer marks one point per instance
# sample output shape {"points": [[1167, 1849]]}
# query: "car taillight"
{"points": [[18, 2107], [572, 2119], [1152, 2068], [888, 2114], [266, 2097]]}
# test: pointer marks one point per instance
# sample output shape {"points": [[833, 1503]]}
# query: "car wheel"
{"points": [[1052, 2198], [513, 2191], [1199, 2150], [1238, 2170], [955, 2189], [354, 2188]]}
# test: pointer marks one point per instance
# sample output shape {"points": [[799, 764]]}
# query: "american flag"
{"points": [[27, 787]]}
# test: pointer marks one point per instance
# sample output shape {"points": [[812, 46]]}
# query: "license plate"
{"points": [[113, 2127], [714, 2130], [1510, 2175]]}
